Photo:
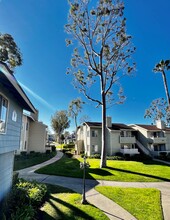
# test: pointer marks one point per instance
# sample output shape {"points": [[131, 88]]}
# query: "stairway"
{"points": [[143, 148]]}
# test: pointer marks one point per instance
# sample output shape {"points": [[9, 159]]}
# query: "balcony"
{"points": [[127, 140], [129, 151], [159, 140]]}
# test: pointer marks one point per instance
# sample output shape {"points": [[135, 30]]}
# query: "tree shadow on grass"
{"points": [[73, 214], [98, 171], [141, 174]]}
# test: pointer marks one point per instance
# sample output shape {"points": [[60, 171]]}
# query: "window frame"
{"points": [[94, 133], [4, 98]]}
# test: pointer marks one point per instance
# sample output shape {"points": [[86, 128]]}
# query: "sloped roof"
{"points": [[115, 126], [9, 82], [152, 127], [94, 124]]}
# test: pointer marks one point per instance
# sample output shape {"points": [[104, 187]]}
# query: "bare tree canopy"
{"points": [[9, 51], [158, 110], [75, 108], [102, 55]]}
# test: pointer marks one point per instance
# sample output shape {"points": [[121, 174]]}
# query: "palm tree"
{"points": [[161, 67]]}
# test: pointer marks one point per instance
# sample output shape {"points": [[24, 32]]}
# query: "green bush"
{"points": [[48, 152], [163, 155], [15, 177], [23, 201], [32, 152], [69, 154], [115, 158], [25, 212], [36, 191], [119, 154], [95, 156], [23, 153], [53, 148], [168, 156]]}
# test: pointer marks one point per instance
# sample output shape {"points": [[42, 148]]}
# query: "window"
{"points": [[94, 148], [25, 146], [88, 133], [3, 113], [94, 133], [160, 147], [27, 126]]}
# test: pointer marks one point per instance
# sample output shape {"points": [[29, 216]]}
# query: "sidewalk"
{"points": [[111, 209]]}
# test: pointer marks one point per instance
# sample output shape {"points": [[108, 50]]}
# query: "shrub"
{"points": [[168, 156], [163, 155], [32, 152], [23, 153], [115, 158], [15, 177], [25, 212], [23, 201], [95, 156], [48, 152], [53, 148], [127, 156], [119, 154], [69, 154], [36, 191], [82, 154]]}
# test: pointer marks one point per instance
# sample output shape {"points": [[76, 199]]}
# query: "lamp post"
{"points": [[84, 165]]}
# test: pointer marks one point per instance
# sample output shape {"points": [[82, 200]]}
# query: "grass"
{"points": [[141, 203], [125, 171], [24, 161], [63, 203]]}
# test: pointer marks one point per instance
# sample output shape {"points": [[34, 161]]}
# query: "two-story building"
{"points": [[155, 138], [33, 134], [12, 102], [119, 138]]}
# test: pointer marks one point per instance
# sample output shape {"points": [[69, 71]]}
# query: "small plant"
{"points": [[23, 201], [115, 158], [23, 153], [95, 156], [48, 151]]}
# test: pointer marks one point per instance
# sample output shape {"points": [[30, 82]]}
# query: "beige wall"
{"points": [[37, 137], [114, 142]]}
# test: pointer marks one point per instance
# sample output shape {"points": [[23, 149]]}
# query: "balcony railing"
{"points": [[129, 151], [159, 140], [127, 140], [158, 153]]}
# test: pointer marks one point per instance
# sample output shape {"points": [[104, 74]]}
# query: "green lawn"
{"points": [[144, 204], [65, 204], [24, 161], [129, 171]]}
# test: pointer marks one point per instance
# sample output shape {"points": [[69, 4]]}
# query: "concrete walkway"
{"points": [[111, 209]]}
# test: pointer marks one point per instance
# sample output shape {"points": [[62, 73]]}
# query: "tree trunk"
{"points": [[103, 150], [166, 87]]}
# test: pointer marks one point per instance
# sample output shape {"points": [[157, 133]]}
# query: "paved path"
{"points": [[111, 209]]}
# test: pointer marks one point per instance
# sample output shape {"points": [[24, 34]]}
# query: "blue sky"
{"points": [[37, 27]]}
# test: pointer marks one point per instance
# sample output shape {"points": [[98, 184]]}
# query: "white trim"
{"points": [[6, 120]]}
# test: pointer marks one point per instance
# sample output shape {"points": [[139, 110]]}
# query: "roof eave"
{"points": [[14, 85]]}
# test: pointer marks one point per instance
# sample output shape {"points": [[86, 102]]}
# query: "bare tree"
{"points": [[158, 110], [102, 55], [74, 109]]}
